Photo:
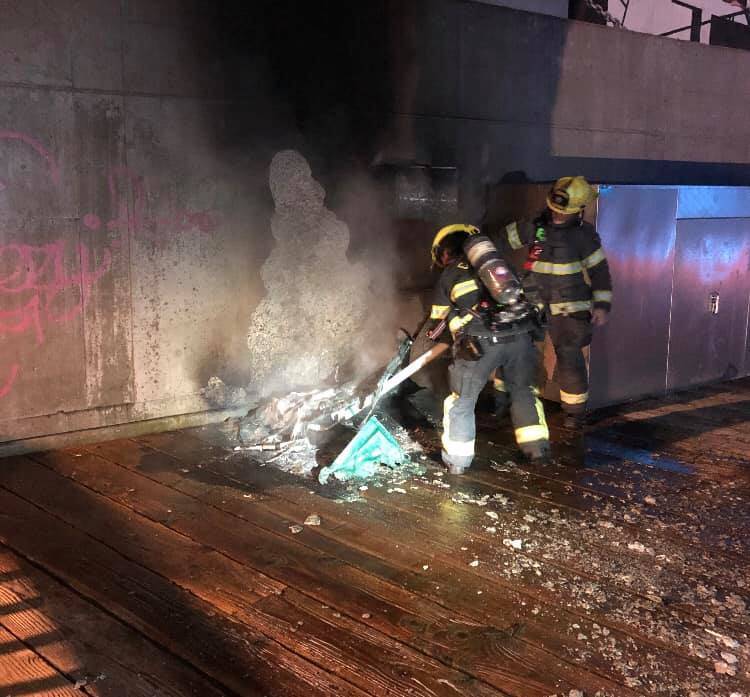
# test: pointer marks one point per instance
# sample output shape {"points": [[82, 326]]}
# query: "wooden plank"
{"points": [[563, 551], [244, 661], [22, 672], [641, 523], [678, 630], [728, 537], [674, 434], [87, 644], [676, 514], [728, 394], [678, 443], [372, 532], [601, 605], [710, 406], [392, 674], [699, 419], [295, 563], [692, 438], [724, 533], [440, 633]]}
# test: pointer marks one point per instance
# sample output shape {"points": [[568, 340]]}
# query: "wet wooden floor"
{"points": [[167, 565]]}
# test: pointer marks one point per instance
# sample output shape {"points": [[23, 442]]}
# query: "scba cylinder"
{"points": [[494, 273]]}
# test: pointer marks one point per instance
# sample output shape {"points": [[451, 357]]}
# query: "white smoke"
{"points": [[312, 317]]}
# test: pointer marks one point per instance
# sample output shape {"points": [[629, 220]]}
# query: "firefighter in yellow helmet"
{"points": [[492, 324], [562, 249]]}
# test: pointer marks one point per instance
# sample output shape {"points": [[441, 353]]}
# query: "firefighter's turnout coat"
{"points": [[567, 266], [509, 350]]}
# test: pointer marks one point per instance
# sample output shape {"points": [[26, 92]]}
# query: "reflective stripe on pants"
{"points": [[517, 359], [458, 441], [569, 336]]}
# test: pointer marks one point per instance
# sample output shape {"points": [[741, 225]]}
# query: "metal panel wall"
{"points": [[629, 355], [713, 202], [710, 302], [661, 337]]}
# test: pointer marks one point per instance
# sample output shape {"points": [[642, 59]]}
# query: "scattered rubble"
{"points": [[641, 570], [723, 668]]}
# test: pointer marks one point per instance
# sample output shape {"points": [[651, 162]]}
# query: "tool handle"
{"points": [[414, 367]]}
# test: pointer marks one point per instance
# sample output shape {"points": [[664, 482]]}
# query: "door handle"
{"points": [[713, 303]]}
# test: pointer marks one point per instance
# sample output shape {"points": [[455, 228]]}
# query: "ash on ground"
{"points": [[274, 434]]}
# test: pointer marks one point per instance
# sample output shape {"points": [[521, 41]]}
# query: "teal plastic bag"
{"points": [[371, 447]]}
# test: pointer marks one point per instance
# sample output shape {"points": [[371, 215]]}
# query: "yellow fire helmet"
{"points": [[569, 195], [447, 231]]}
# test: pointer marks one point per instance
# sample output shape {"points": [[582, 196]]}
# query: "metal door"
{"points": [[710, 299], [629, 355]]}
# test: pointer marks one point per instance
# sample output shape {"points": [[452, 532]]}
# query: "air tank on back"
{"points": [[494, 273]]}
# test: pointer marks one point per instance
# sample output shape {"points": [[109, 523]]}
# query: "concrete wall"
{"points": [[126, 235], [502, 91], [133, 221]]}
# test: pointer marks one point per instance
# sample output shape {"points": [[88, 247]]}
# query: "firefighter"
{"points": [[487, 335], [561, 247]]}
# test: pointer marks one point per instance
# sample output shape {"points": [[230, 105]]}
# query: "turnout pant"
{"points": [[517, 358], [500, 394], [569, 335]]}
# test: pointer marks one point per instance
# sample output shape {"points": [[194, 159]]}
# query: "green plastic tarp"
{"points": [[372, 447]]}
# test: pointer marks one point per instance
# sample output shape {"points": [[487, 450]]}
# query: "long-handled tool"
{"points": [[373, 444]]}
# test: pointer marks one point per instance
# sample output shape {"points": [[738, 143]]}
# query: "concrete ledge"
{"points": [[125, 430]]}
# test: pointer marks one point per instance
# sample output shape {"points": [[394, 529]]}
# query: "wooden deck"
{"points": [[166, 565]]}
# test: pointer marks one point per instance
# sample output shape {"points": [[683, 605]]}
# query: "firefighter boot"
{"points": [[537, 452], [453, 468], [574, 421]]}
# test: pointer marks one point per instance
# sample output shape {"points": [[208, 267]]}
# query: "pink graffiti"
{"points": [[54, 170], [92, 221], [8, 384], [179, 220], [33, 278]]}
